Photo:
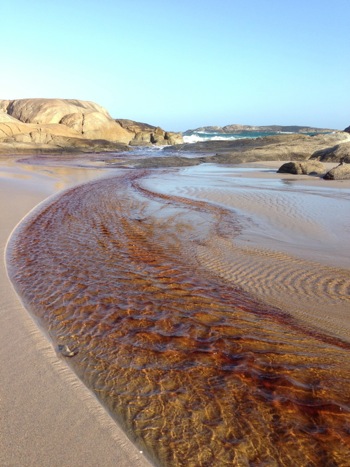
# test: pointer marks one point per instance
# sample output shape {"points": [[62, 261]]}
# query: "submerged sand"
{"points": [[291, 251], [50, 417], [47, 415]]}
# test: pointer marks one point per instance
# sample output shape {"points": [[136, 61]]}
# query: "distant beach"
{"points": [[181, 290]]}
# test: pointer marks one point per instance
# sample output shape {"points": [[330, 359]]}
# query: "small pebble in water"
{"points": [[66, 351]]}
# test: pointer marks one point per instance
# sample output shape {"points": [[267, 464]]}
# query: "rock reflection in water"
{"points": [[197, 373]]}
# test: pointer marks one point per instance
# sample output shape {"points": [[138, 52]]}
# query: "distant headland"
{"points": [[236, 129]]}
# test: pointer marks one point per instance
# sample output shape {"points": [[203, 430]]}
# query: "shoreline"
{"points": [[82, 433], [48, 416]]}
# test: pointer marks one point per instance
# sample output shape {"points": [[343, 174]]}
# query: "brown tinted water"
{"points": [[197, 372]]}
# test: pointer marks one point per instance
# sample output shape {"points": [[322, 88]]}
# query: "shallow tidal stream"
{"points": [[196, 370]]}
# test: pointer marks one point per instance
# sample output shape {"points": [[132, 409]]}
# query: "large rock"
{"points": [[13, 130], [43, 134], [341, 172], [95, 125], [337, 153], [302, 168], [347, 129], [36, 125], [146, 135], [10, 126], [5, 118], [47, 110], [87, 119]]}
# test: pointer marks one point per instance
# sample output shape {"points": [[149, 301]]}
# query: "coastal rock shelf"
{"points": [[62, 126], [198, 371]]}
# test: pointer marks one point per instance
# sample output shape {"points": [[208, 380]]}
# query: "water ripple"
{"points": [[197, 371]]}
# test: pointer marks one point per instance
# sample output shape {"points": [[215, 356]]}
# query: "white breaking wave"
{"points": [[195, 138]]}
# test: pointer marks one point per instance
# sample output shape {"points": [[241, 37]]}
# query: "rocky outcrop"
{"points": [[337, 153], [14, 131], [47, 110], [5, 118], [279, 148], [302, 168], [10, 126], [347, 129], [341, 172], [41, 143], [36, 125], [147, 135], [95, 125], [87, 119]]}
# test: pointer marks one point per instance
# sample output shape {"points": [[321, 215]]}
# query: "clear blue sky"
{"points": [[183, 64]]}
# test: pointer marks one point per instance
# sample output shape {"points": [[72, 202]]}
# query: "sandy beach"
{"points": [[290, 251], [174, 234], [47, 415]]}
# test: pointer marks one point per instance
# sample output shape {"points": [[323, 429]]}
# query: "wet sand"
{"points": [[291, 250], [191, 319], [48, 417], [269, 270]]}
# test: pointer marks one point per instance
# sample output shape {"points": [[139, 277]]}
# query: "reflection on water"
{"points": [[197, 372]]}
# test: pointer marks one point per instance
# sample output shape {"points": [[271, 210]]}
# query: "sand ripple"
{"points": [[172, 332], [317, 294]]}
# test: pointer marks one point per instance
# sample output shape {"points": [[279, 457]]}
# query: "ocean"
{"points": [[194, 136]]}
